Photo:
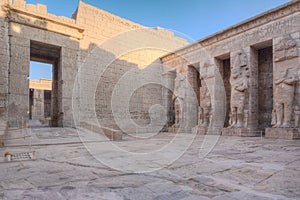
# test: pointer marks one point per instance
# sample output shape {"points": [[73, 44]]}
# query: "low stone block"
{"points": [[283, 133], [114, 135], [242, 132], [174, 129], [199, 130]]}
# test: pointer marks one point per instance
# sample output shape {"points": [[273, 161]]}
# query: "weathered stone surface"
{"points": [[3, 127], [241, 168], [114, 135], [199, 130], [31, 33], [283, 133], [246, 59], [240, 132], [250, 65]]}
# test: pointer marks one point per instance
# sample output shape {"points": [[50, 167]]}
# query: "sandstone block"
{"points": [[283, 133], [242, 132]]}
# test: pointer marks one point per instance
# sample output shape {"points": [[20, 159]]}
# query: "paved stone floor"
{"points": [[236, 168]]}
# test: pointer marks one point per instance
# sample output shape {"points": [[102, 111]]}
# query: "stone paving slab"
{"points": [[237, 168]]}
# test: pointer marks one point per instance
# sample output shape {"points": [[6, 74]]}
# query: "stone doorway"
{"points": [[225, 71], [265, 86], [51, 98]]}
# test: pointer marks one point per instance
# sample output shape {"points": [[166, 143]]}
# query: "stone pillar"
{"points": [[68, 71], [210, 99], [244, 91], [57, 113], [190, 114], [252, 121], [218, 103], [4, 64], [167, 94], [18, 87], [286, 78], [184, 101]]}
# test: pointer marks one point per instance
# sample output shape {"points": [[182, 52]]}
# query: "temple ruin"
{"points": [[242, 81]]}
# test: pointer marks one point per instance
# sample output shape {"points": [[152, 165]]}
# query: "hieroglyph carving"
{"points": [[239, 81], [2, 102], [178, 98], [286, 48]]}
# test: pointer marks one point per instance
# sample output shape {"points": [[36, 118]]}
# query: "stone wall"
{"points": [[103, 64], [122, 46], [29, 32], [249, 37], [26, 23], [4, 57]]}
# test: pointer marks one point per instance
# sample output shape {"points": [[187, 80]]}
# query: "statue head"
{"points": [[241, 59]]}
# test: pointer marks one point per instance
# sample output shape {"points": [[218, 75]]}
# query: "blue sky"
{"points": [[193, 18]]}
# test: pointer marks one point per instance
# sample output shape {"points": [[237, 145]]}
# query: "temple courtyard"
{"points": [[62, 168]]}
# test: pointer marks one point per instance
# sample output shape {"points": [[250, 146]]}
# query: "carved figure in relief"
{"points": [[179, 95], [206, 73], [178, 112], [205, 105], [285, 83], [239, 81]]}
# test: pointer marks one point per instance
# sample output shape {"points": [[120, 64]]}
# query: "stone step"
{"points": [[283, 133], [241, 132], [112, 134]]}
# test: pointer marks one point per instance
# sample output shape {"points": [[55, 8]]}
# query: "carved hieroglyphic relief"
{"points": [[239, 81], [2, 102], [178, 98], [178, 112], [204, 114], [286, 48]]}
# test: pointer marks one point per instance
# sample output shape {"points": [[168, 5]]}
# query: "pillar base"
{"points": [[3, 127], [283, 133], [111, 134], [177, 129], [199, 130], [242, 132]]}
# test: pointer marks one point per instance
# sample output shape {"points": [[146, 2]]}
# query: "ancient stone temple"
{"points": [[29, 33], [243, 81], [258, 62]]}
